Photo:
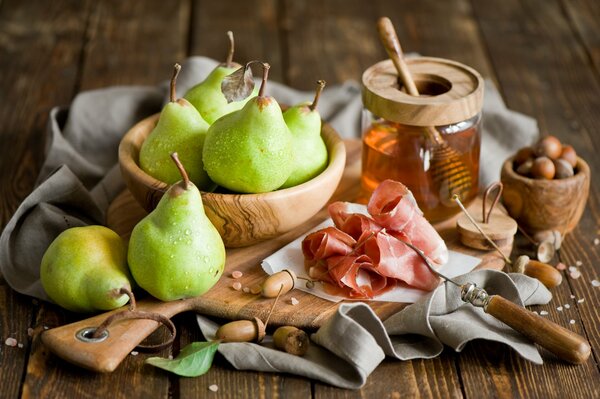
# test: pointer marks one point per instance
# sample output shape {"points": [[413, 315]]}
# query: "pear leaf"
{"points": [[193, 360], [238, 85]]}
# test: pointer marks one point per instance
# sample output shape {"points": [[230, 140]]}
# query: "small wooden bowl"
{"points": [[539, 205], [241, 219]]}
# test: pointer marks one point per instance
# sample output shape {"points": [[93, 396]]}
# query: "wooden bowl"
{"points": [[242, 219], [539, 205]]}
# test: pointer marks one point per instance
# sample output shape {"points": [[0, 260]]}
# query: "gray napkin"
{"points": [[354, 341]]}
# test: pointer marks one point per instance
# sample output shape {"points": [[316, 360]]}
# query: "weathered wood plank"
{"points": [[125, 43], [544, 71], [337, 40], [255, 25], [133, 42], [584, 16], [40, 44], [436, 378], [330, 40]]}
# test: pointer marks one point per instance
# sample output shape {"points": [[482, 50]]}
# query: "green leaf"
{"points": [[193, 360]]}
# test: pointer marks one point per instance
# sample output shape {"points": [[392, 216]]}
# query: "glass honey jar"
{"points": [[398, 138]]}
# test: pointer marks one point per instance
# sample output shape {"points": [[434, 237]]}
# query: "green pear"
{"points": [[249, 150], [181, 129], [310, 152], [207, 97], [84, 269], [175, 252]]}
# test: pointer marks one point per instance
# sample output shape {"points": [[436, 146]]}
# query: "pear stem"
{"points": [[176, 69], [320, 86], [186, 179], [229, 59], [261, 91]]}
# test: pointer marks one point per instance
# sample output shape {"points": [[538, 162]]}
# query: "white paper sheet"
{"points": [[290, 257]]}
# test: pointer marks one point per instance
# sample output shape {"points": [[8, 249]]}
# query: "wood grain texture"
{"points": [[40, 45], [539, 205], [132, 42], [435, 378], [565, 344], [124, 43], [255, 25], [241, 219], [584, 16], [543, 72]]}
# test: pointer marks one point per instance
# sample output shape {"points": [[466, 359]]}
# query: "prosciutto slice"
{"points": [[393, 206], [396, 260], [355, 275], [362, 257], [325, 243], [353, 224]]}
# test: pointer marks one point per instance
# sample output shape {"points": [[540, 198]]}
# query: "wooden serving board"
{"points": [[225, 302]]}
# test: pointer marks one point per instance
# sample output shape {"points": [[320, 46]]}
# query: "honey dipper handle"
{"points": [[564, 343], [387, 35]]}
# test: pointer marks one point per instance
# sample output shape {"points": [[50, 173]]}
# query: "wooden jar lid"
{"points": [[451, 92]]}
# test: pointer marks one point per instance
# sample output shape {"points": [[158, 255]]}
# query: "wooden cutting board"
{"points": [[225, 302]]}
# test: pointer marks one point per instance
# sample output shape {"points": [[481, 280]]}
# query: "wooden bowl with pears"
{"points": [[242, 219]]}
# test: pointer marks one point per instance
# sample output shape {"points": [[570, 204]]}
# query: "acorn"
{"points": [[283, 280], [291, 340], [242, 331], [545, 273]]}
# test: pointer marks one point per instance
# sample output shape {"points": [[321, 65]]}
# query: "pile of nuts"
{"points": [[547, 159]]}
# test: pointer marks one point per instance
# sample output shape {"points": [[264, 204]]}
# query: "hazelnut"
{"points": [[524, 154], [563, 169], [568, 154], [543, 168], [525, 168], [549, 147]]}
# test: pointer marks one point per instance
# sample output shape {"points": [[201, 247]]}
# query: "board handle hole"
{"points": [[86, 335]]}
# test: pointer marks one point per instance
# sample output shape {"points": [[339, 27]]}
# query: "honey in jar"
{"points": [[398, 142]]}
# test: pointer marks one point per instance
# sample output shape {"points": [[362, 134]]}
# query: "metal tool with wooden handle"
{"points": [[564, 343], [448, 171]]}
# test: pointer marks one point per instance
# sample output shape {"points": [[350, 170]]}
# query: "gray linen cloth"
{"points": [[352, 343], [80, 176]]}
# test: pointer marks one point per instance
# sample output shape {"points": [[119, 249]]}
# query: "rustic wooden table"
{"points": [[544, 55]]}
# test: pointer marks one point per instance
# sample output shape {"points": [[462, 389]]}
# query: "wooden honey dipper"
{"points": [[449, 172]]}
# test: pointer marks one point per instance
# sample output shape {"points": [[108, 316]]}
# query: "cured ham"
{"points": [[365, 255], [353, 224], [325, 243], [393, 206]]}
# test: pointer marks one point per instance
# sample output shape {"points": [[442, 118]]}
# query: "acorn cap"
{"points": [[451, 92]]}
